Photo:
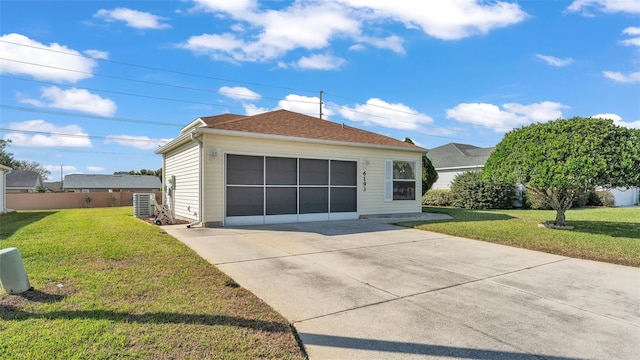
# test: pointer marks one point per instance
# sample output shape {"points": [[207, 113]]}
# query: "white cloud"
{"points": [[446, 20], [510, 116], [235, 7], [251, 109], [630, 78], [631, 31], [309, 105], [26, 51], [264, 35], [634, 41], [607, 6], [55, 171], [238, 93], [321, 62], [617, 119], [133, 18], [72, 99], [97, 54], [74, 135], [95, 169], [138, 142], [554, 61], [378, 112]]}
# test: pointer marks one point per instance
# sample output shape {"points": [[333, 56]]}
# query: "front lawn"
{"points": [[108, 285], [601, 234]]}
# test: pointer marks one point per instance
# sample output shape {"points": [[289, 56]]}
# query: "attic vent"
{"points": [[143, 205]]}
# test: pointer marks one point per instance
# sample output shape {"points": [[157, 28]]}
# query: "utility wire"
{"points": [[78, 136], [88, 116], [160, 69], [226, 93]]}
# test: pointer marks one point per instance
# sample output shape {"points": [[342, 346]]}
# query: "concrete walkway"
{"points": [[365, 289]]}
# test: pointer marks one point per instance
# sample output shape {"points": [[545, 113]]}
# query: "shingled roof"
{"points": [[292, 124], [23, 179], [454, 155]]}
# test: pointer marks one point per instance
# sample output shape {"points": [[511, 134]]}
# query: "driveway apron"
{"points": [[366, 289]]}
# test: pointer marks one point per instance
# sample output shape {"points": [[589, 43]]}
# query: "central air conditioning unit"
{"points": [[144, 205]]}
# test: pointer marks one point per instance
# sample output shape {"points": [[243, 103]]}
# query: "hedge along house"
{"points": [[282, 166]]}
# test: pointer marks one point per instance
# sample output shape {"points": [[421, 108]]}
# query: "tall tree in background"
{"points": [[6, 158], [559, 159], [157, 173], [32, 166], [429, 173]]}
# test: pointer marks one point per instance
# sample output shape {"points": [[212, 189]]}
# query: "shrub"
{"points": [[437, 198], [601, 198], [470, 191]]}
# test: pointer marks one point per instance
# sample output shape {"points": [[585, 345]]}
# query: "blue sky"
{"points": [[97, 86]]}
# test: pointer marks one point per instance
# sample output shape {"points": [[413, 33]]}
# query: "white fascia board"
{"points": [[303, 140], [195, 123], [180, 140], [460, 167]]}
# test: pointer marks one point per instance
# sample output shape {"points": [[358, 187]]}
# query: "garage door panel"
{"points": [[245, 201], [281, 201]]}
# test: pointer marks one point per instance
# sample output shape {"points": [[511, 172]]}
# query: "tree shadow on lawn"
{"points": [[14, 313], [609, 228], [12, 222]]}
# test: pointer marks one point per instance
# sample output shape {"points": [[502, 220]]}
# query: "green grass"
{"points": [[601, 234], [108, 285]]}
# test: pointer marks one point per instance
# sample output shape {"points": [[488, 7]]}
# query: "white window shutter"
{"points": [[388, 180]]}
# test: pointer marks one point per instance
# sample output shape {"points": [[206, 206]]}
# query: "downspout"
{"points": [[200, 164]]}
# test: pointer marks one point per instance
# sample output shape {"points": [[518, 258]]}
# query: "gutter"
{"points": [[199, 214]]}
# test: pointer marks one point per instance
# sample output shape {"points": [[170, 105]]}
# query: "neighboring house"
{"points": [[4, 170], [23, 181], [87, 183], [282, 166], [452, 159], [53, 186]]}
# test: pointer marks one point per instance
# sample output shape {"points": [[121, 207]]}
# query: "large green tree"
{"points": [[559, 159], [429, 173]]}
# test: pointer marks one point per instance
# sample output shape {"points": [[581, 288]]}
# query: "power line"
{"points": [[226, 93], [78, 136], [66, 149], [160, 69], [89, 116]]}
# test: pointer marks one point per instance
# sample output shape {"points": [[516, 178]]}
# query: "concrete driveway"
{"points": [[365, 289]]}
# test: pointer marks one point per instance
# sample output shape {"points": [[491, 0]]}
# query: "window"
{"points": [[400, 180]]}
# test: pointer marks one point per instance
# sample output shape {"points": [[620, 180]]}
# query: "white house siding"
{"points": [[625, 196], [446, 176], [183, 164], [370, 202], [3, 190]]}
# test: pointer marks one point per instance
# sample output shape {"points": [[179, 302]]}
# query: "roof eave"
{"points": [[301, 139], [180, 140]]}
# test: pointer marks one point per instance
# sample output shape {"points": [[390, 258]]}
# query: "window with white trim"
{"points": [[400, 180]]}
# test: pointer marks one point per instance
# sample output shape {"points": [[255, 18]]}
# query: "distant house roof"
{"points": [[454, 155], [23, 179], [294, 125], [89, 181]]}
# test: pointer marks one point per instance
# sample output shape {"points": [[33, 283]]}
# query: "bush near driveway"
{"points": [[470, 191], [108, 286]]}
